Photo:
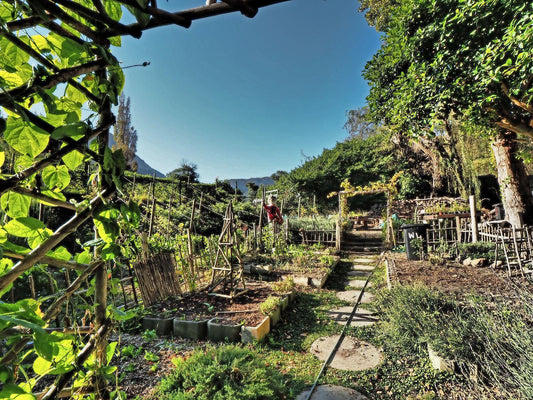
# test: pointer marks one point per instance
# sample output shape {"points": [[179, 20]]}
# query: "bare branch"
{"points": [[515, 100], [520, 128]]}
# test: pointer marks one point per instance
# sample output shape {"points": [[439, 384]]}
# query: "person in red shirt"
{"points": [[274, 214]]}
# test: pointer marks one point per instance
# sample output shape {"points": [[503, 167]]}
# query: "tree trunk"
{"points": [[514, 183]]}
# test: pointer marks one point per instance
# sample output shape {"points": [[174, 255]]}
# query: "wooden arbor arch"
{"points": [[37, 70]]}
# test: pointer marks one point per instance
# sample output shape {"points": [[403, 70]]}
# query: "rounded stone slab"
{"points": [[357, 283], [331, 392], [353, 354], [352, 296], [361, 317]]}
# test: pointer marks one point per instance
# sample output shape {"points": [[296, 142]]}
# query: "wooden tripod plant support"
{"points": [[224, 270]]}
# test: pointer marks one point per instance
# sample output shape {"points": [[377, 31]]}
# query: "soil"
{"points": [[242, 309], [452, 278]]}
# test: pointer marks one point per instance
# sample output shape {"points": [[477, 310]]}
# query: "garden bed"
{"points": [[242, 309], [452, 278]]}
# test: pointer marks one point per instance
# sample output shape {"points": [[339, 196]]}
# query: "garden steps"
{"points": [[362, 317], [362, 242]]}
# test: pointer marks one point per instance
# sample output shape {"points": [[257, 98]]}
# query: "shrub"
{"points": [[492, 337], [228, 372], [476, 250]]}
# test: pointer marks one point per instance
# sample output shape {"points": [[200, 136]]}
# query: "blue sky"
{"points": [[244, 97]]}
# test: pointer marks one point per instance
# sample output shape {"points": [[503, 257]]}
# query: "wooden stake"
{"points": [[473, 218], [152, 214]]}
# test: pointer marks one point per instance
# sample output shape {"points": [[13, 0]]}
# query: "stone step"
{"points": [[353, 354], [351, 296]]}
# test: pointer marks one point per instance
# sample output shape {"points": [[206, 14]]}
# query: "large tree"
{"points": [[125, 135], [453, 59]]}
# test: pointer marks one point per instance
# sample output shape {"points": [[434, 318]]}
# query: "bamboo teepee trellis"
{"points": [[227, 269]]}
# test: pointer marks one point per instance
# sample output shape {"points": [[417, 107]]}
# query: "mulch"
{"points": [[242, 309]]}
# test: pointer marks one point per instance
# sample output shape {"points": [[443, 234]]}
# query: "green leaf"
{"points": [[110, 351], [73, 159], [56, 177], [24, 227], [84, 257], [142, 18], [53, 195], [2, 155], [10, 391], [6, 374], [12, 54], [75, 131], [113, 9], [14, 321], [24, 137], [60, 253], [15, 205], [119, 315], [110, 251]]}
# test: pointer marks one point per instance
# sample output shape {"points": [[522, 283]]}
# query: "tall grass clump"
{"points": [[491, 342], [226, 372]]}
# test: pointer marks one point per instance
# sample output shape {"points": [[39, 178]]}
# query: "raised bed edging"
{"points": [[190, 329], [219, 332], [209, 329]]}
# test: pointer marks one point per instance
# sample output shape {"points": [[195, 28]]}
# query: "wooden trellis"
{"points": [[228, 270], [157, 278]]}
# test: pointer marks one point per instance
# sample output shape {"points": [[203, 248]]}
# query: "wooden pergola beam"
{"points": [[243, 6], [195, 13]]}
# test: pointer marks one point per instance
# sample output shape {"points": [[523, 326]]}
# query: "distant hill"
{"points": [[241, 183], [145, 169]]}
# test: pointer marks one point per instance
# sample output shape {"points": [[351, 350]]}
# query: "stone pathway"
{"points": [[353, 354], [361, 317], [351, 296]]}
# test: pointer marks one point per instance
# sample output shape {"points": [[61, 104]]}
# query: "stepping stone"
{"points": [[353, 354], [353, 295], [362, 317], [357, 283], [358, 273], [331, 392], [362, 260], [362, 267]]}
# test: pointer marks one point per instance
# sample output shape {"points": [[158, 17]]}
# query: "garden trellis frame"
{"points": [[48, 44]]}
